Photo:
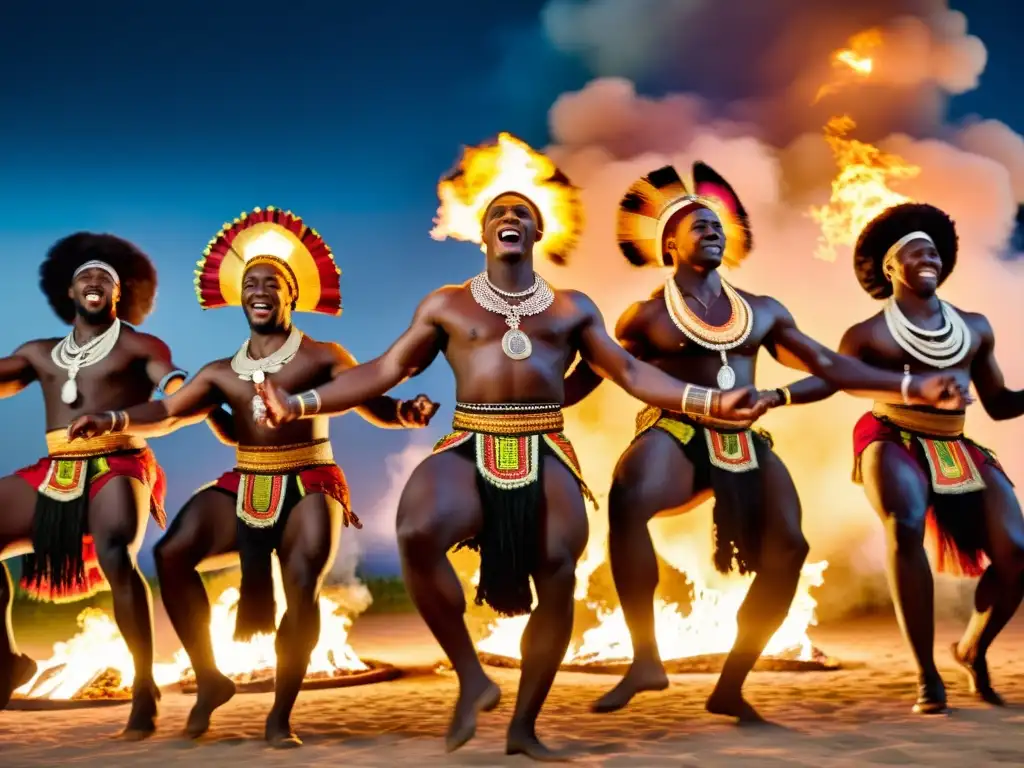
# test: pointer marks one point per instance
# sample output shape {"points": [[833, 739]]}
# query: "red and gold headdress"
{"points": [[509, 165], [661, 197], [269, 236]]}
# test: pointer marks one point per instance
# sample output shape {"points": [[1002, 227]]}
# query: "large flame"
{"points": [[860, 191], [507, 165], [99, 648]]}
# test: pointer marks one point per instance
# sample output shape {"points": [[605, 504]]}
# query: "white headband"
{"points": [[898, 245], [96, 264]]}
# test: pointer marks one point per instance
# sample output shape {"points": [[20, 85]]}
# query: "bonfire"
{"points": [[95, 665]]}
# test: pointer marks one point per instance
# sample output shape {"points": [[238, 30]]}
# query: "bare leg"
{"points": [[784, 550], [549, 629], [439, 508], [307, 550], [1001, 587], [117, 520], [652, 476], [17, 500], [205, 527], [898, 490]]}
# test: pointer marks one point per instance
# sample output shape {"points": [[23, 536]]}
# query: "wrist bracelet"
{"points": [[905, 385], [308, 403], [115, 417], [787, 398], [696, 401]]}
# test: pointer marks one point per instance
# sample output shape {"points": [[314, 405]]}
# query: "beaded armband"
{"points": [[161, 388], [696, 400], [118, 421], [305, 404]]}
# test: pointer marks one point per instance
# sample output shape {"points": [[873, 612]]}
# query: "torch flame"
{"points": [[508, 165], [99, 647]]}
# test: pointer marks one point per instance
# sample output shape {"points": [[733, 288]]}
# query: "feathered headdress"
{"points": [[509, 165], [661, 198], [269, 236]]}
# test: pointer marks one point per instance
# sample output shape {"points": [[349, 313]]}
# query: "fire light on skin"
{"points": [[286, 494], [483, 485]]}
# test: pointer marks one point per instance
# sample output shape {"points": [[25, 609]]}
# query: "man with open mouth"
{"points": [[701, 327], [918, 469], [286, 493], [81, 511], [506, 481]]}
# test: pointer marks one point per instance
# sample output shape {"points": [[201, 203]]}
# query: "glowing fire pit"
{"points": [[695, 642], [94, 667]]}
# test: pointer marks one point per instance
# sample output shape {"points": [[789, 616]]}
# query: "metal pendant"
{"points": [[516, 344], [258, 377], [726, 377], [69, 392]]}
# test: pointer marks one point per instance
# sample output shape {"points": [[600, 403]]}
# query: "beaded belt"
{"points": [[928, 423], [508, 419], [59, 447], [284, 458]]}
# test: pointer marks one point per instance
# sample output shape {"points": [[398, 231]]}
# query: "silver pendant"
{"points": [[516, 344], [726, 377], [69, 392], [258, 377], [259, 409]]}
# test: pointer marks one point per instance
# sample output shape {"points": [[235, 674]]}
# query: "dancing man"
{"points": [[81, 511], [285, 493], [918, 469], [506, 481], [700, 326]]}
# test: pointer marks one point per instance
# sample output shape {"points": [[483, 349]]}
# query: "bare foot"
{"points": [[482, 696], [732, 705], [523, 741], [931, 697], [641, 676], [142, 719], [979, 681], [213, 692], [15, 673], [279, 734]]}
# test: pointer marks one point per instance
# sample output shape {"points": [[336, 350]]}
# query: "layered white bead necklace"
{"points": [[942, 348], [69, 356]]}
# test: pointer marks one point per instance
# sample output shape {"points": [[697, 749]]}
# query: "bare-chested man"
{"points": [[699, 327], [81, 510], [917, 468], [286, 493], [506, 481]]}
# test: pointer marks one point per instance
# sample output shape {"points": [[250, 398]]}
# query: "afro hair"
{"points": [[887, 228], [138, 277]]}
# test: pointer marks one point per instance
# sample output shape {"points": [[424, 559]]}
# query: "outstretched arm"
{"points": [[16, 372], [999, 402], [384, 411], [169, 378], [411, 353], [793, 348], [651, 385], [583, 380], [188, 405], [814, 388]]}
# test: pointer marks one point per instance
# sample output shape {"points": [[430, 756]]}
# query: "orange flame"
{"points": [[852, 63], [99, 647]]}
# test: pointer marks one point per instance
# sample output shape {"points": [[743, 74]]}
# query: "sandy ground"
{"points": [[856, 717]]}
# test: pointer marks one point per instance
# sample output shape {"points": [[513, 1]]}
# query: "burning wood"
{"points": [[696, 640], [95, 665]]}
